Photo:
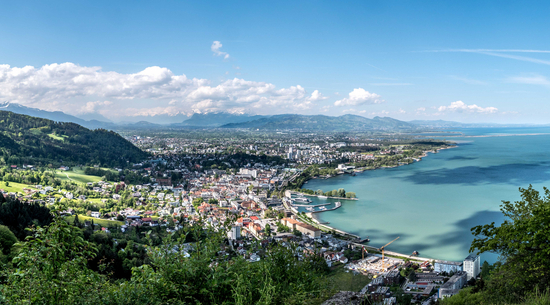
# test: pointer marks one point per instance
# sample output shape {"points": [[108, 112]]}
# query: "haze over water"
{"points": [[432, 204]]}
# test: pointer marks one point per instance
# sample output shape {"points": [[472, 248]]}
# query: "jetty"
{"points": [[310, 205], [337, 205]]}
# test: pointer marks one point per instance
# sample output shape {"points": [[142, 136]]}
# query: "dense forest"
{"points": [[29, 140]]}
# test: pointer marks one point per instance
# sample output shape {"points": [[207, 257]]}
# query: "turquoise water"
{"points": [[432, 204]]}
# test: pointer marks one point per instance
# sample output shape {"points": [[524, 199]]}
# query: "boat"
{"points": [[415, 253], [302, 200], [322, 208], [309, 208], [322, 197]]}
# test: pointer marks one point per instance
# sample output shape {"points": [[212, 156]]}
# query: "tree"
{"points": [[52, 266], [350, 195], [268, 230], [76, 222], [7, 240], [341, 192], [522, 241]]}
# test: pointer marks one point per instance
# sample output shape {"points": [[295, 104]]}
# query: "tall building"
{"points": [[235, 233], [471, 266]]}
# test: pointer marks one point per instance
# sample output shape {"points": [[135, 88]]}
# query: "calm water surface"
{"points": [[432, 204]]}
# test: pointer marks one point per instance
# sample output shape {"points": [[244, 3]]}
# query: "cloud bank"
{"points": [[64, 86]]}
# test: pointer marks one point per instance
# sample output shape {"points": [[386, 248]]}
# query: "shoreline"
{"points": [[316, 219]]}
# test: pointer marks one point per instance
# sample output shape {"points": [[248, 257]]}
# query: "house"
{"points": [[95, 214]]}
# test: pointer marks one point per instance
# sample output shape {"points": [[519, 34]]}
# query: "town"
{"points": [[255, 190]]}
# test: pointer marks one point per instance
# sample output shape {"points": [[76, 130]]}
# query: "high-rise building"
{"points": [[235, 233], [471, 266]]}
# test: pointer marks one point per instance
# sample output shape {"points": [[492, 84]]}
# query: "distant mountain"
{"points": [[32, 140], [94, 117], [346, 122], [217, 119], [56, 116]]}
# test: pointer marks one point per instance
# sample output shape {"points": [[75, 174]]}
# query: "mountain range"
{"points": [[347, 122]]}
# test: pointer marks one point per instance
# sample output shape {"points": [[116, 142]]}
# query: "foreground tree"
{"points": [[522, 241], [51, 268]]}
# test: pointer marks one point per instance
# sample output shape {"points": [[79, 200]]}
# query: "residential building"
{"points": [[471, 266], [453, 285], [447, 266]]}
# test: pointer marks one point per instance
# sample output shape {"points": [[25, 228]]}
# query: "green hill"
{"points": [[31, 140], [346, 122]]}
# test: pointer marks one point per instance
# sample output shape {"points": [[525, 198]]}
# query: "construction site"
{"points": [[374, 263]]}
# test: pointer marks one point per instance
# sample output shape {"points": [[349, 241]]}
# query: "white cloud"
{"points": [[171, 111], [61, 82], [215, 47], [64, 86], [460, 106], [504, 53], [359, 96], [390, 84], [530, 80], [421, 109], [92, 107], [468, 80], [317, 96], [380, 113]]}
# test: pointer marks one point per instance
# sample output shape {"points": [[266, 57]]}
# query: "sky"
{"points": [[467, 61]]}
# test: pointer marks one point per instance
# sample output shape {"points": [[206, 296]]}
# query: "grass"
{"points": [[56, 137], [346, 281], [77, 174], [101, 222], [15, 187]]}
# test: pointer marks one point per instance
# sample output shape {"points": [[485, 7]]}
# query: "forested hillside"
{"points": [[26, 139]]}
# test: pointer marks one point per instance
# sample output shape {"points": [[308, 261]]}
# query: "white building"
{"points": [[471, 266], [235, 233]]}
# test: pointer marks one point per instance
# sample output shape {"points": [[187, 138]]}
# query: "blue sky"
{"points": [[128, 60]]}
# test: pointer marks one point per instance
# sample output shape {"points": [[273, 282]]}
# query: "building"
{"points": [[453, 285], [471, 266], [302, 227], [234, 233], [447, 266], [392, 277]]}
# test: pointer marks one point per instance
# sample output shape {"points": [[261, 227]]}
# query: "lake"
{"points": [[433, 203]]}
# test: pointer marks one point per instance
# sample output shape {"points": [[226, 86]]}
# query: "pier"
{"points": [[309, 205]]}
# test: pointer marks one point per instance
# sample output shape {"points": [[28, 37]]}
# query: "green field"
{"points": [[56, 137], [15, 187], [346, 281], [76, 174], [101, 222]]}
